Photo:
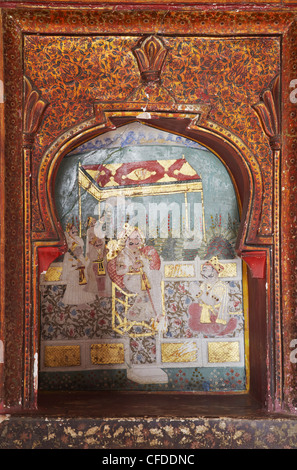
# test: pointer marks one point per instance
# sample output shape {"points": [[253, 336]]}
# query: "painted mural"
{"points": [[149, 295]]}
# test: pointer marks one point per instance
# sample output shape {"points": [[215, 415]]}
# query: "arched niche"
{"points": [[246, 185]]}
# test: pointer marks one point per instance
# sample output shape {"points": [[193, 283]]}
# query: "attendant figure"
{"points": [[210, 313], [99, 282], [72, 236], [74, 274], [91, 222]]}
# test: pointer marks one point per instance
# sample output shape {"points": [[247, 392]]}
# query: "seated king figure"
{"points": [[136, 269]]}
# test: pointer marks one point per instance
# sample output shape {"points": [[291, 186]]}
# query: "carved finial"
{"points": [[34, 107], [150, 54], [268, 110]]}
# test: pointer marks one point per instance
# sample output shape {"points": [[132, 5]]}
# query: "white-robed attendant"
{"points": [[74, 274], [72, 236], [99, 282]]}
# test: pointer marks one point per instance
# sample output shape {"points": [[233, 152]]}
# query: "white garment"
{"points": [[75, 293], [148, 303]]}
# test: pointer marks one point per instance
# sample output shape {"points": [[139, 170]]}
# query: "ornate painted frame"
{"points": [[31, 236]]}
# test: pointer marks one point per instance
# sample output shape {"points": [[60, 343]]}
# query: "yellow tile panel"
{"points": [[62, 356], [53, 274], [107, 353], [179, 270], [179, 352], [223, 351]]}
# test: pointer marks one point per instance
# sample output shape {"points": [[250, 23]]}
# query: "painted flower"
{"points": [[189, 333]]}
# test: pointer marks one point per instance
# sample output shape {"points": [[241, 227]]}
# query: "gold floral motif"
{"points": [[139, 174]]}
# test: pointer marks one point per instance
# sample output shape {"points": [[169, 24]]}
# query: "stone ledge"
{"points": [[29, 432]]}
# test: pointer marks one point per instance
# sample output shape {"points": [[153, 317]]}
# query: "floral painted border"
{"points": [[148, 433]]}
